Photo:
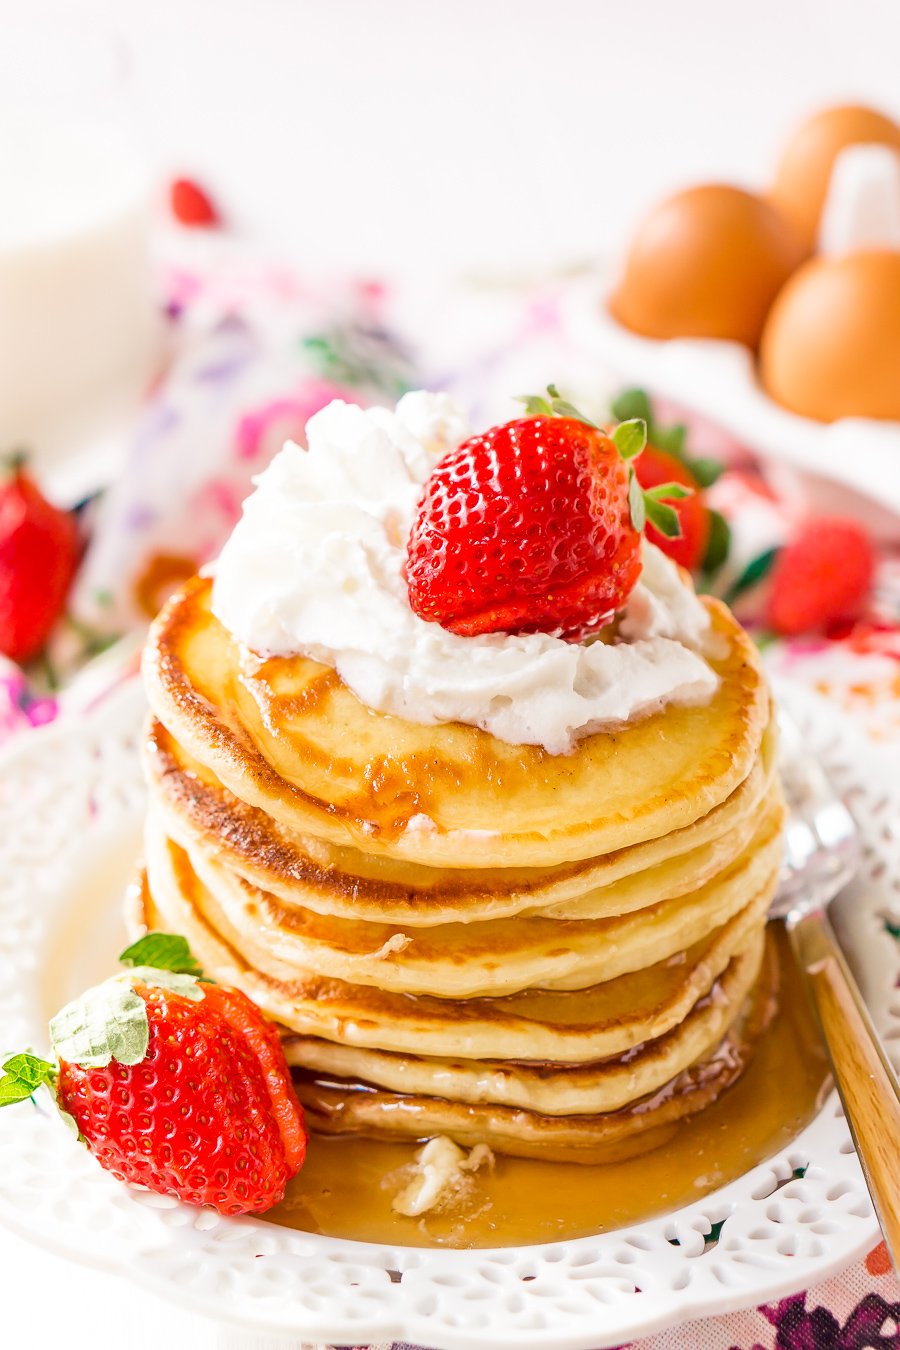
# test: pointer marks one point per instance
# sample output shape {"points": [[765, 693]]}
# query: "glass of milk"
{"points": [[80, 330]]}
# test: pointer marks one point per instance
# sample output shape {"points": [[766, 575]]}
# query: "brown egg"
{"points": [[801, 180], [831, 347], [706, 263]]}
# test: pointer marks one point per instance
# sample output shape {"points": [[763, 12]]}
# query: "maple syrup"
{"points": [[347, 1185]]}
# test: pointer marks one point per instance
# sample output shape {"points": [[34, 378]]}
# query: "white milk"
{"points": [[79, 323]]}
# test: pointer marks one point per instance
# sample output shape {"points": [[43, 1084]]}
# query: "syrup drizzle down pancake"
{"points": [[349, 1107]]}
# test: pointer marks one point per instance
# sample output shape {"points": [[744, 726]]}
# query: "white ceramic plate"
{"points": [[71, 801], [717, 380]]}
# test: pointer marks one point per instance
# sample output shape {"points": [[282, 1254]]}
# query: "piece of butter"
{"points": [[441, 1169]]}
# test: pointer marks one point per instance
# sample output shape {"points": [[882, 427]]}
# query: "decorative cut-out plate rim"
{"points": [[64, 793]]}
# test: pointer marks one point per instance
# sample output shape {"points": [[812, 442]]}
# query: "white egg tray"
{"points": [[717, 381]]}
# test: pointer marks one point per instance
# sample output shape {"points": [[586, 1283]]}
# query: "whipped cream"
{"points": [[315, 568]]}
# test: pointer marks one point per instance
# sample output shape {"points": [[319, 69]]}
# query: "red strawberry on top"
{"points": [[39, 552], [822, 577], [175, 1084], [533, 526], [688, 548]]}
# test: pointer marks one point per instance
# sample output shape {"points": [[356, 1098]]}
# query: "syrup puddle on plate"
{"points": [[346, 1186], [341, 1190]]}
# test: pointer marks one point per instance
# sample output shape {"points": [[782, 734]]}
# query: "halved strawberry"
{"points": [[174, 1083]]}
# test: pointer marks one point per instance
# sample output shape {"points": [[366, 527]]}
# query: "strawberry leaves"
{"points": [[552, 406], [636, 503], [22, 1076], [629, 438], [753, 573], [664, 517], [672, 439], [162, 951], [107, 1022]]}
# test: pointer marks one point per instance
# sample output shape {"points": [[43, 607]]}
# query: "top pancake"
{"points": [[287, 736]]}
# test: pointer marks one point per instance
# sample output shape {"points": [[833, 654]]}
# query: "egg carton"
{"points": [[852, 464]]}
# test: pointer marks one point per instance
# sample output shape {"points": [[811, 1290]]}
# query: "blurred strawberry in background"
{"points": [[704, 539], [814, 578], [822, 576], [656, 466], [192, 205], [39, 551]]}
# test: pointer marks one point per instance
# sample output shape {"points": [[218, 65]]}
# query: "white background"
{"points": [[447, 133], [419, 135]]}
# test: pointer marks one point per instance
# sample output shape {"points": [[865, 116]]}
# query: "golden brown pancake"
{"points": [[475, 960], [287, 736], [200, 813], [550, 1088], [605, 1020], [345, 1107]]}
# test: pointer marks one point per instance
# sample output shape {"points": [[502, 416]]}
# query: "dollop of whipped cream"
{"points": [[315, 567]]}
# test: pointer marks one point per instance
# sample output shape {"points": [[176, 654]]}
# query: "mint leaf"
{"points": [[718, 544], [630, 437], [665, 518], [754, 572], [29, 1069], [108, 1022], [22, 1076], [633, 403], [162, 951], [636, 503]]}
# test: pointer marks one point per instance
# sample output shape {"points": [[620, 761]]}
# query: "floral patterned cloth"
{"points": [[255, 350]]}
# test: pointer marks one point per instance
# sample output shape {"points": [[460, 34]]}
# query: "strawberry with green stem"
{"points": [[173, 1082], [705, 537], [535, 525]]}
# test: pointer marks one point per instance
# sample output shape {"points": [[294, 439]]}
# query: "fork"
{"points": [[822, 853]]}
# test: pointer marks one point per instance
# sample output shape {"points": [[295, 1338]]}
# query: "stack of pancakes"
{"points": [[557, 955]]}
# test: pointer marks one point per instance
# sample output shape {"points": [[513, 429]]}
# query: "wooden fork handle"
{"points": [[865, 1080]]}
